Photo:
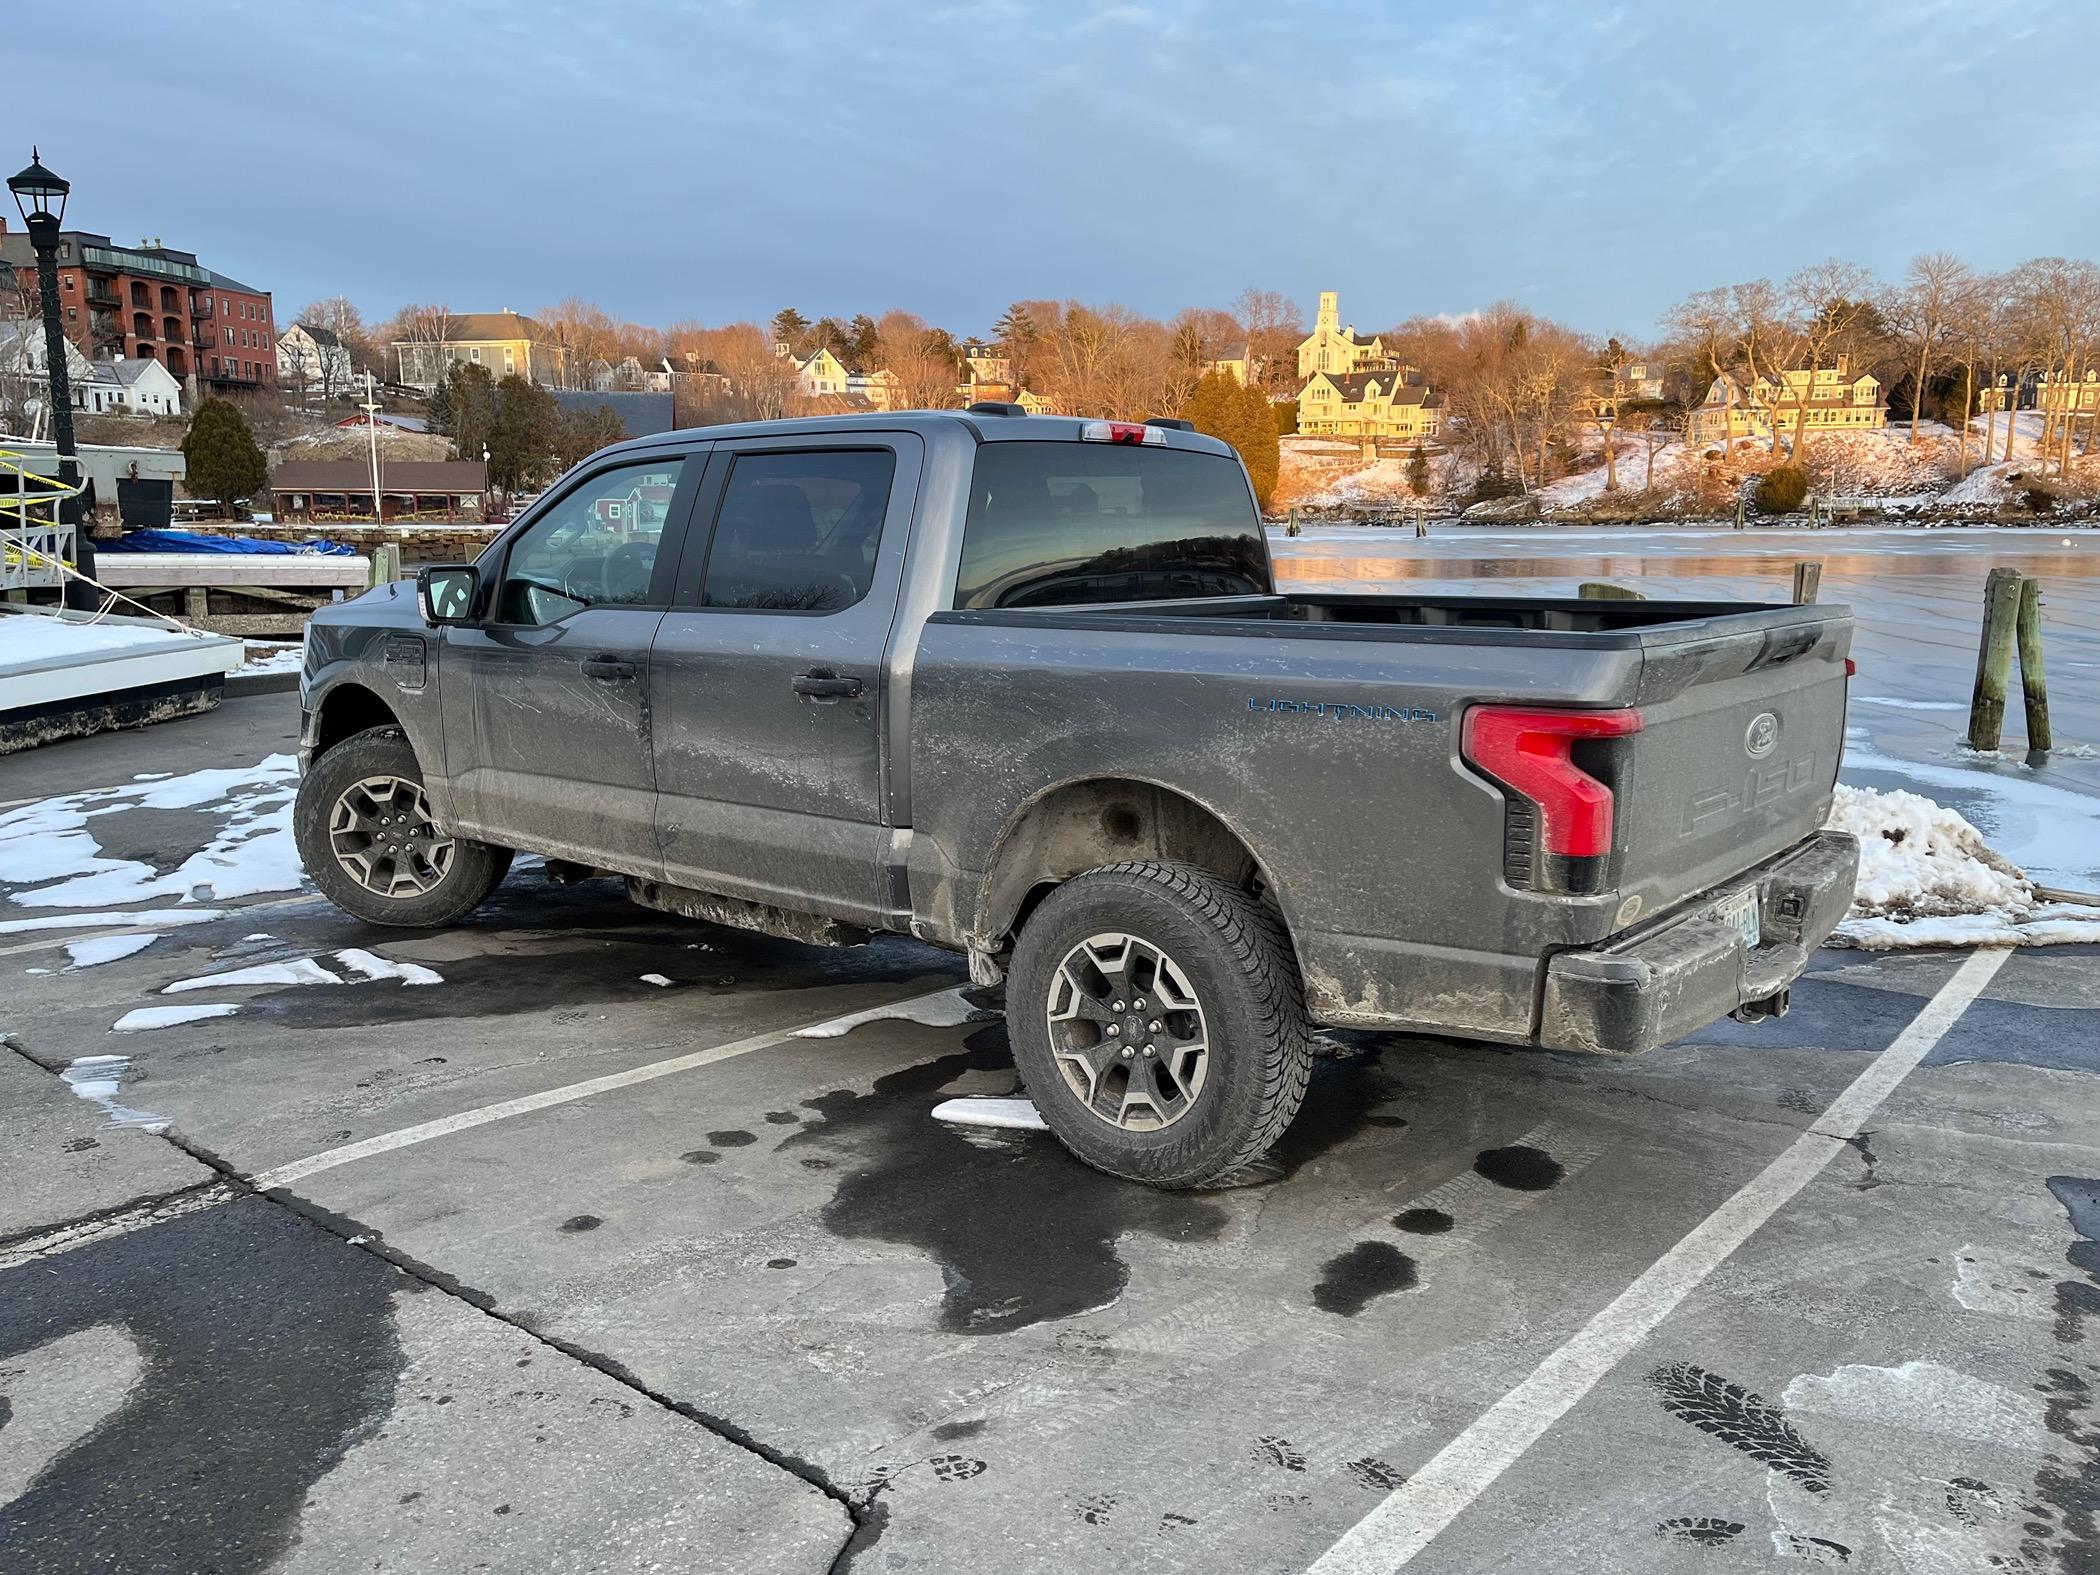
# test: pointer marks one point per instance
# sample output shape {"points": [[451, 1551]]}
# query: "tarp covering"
{"points": [[191, 541]]}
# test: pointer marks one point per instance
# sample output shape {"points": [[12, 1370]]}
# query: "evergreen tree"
{"points": [[463, 407], [865, 343], [524, 434], [1224, 408], [1418, 471], [791, 328], [221, 457]]}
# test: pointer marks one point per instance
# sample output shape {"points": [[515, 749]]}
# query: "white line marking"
{"points": [[227, 911], [1415, 1512], [444, 1126]]}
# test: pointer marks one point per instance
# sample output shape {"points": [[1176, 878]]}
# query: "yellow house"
{"points": [[1035, 404], [1370, 406], [1232, 361], [505, 342], [2060, 394], [1832, 399], [820, 373], [1333, 348]]}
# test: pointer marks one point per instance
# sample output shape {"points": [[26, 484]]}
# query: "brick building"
{"points": [[154, 303]]}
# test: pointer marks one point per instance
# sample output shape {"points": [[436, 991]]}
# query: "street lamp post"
{"points": [[35, 190]]}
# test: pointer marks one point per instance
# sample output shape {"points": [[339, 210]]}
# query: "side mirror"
{"points": [[446, 593]]}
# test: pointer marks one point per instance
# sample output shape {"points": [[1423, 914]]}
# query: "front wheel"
{"points": [[1157, 1016], [365, 834]]}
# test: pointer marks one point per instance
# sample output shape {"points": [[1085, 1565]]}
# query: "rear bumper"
{"points": [[1676, 974]]}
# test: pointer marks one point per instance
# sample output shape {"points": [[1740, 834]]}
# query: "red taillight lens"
{"points": [[1122, 432], [1533, 753], [1851, 668]]}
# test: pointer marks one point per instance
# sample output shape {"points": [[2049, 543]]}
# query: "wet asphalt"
{"points": [[764, 1314]]}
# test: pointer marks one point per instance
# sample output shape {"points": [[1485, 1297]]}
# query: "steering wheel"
{"points": [[624, 573]]}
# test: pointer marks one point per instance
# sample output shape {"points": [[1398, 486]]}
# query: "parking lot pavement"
{"points": [[819, 1303]]}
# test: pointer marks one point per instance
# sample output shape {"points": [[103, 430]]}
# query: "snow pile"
{"points": [[49, 847], [1926, 878], [272, 656], [1018, 1115]]}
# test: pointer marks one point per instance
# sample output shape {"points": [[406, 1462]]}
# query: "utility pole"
{"points": [[371, 410]]}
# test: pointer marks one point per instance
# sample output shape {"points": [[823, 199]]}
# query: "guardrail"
{"points": [[33, 550]]}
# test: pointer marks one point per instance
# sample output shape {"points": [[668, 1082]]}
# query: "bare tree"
{"points": [[920, 357], [1832, 317], [1274, 328], [1922, 309], [424, 335], [588, 337], [339, 316]]}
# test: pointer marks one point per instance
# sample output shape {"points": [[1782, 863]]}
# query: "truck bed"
{"points": [[1326, 731]]}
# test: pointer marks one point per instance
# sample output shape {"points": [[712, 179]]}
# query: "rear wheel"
{"points": [[1157, 1016], [366, 836]]}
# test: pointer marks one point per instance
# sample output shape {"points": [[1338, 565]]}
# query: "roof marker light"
{"points": [[1121, 432]]}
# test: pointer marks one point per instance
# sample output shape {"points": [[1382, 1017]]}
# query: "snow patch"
{"points": [[370, 965], [1923, 1397], [81, 921], [300, 970], [982, 1111], [945, 1010], [143, 1017], [655, 979], [99, 949], [50, 847], [1927, 878]]}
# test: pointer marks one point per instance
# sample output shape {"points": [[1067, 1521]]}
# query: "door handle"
{"points": [[608, 668], [821, 685]]}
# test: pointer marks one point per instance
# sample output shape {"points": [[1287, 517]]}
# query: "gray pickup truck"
{"points": [[1025, 687]]}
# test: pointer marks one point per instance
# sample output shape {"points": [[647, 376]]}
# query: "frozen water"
{"points": [[944, 1010], [106, 948], [983, 1111], [144, 1017]]}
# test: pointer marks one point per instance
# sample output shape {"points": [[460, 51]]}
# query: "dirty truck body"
{"points": [[1024, 687]]}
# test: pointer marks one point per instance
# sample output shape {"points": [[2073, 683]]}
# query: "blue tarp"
{"points": [[191, 541]]}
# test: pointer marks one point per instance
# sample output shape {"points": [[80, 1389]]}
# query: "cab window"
{"points": [[596, 546], [797, 531]]}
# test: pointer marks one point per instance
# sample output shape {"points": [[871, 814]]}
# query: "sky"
{"points": [[721, 160]]}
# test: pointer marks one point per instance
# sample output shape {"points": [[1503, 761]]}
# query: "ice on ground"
{"points": [[82, 921], [370, 965], [1927, 878], [1910, 705], [945, 1010], [107, 948], [96, 1078], [655, 978], [300, 970], [144, 1017], [49, 846], [1923, 1397], [47, 636], [984, 1111]]}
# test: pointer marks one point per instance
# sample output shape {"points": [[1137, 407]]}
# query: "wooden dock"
{"points": [[267, 595]]}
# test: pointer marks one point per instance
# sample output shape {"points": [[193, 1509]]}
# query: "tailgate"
{"points": [[1742, 726]]}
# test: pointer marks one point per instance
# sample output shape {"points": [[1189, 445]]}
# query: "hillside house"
{"points": [[311, 358], [1391, 405], [1333, 348], [820, 373], [1232, 361], [876, 390], [2060, 394], [504, 342], [1833, 399], [139, 385], [1631, 380], [23, 363]]}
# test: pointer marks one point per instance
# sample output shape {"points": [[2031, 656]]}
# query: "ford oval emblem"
{"points": [[1762, 735]]}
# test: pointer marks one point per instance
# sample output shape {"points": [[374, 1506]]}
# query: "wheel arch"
{"points": [[1083, 823], [346, 710]]}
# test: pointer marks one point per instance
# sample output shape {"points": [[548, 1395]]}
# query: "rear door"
{"points": [[767, 677], [546, 728]]}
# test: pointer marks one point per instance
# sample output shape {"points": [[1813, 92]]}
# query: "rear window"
{"points": [[1054, 524]]}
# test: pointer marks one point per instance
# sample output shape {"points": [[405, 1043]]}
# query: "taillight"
{"points": [[1851, 668], [1560, 808], [1121, 432]]}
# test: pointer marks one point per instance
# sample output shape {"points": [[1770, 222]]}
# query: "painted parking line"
{"points": [[57, 929], [1414, 1513], [444, 1126]]}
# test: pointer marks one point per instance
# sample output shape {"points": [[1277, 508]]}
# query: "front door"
{"points": [[546, 721], [766, 681]]}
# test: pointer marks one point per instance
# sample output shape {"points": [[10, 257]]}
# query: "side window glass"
{"points": [[597, 545], [798, 531]]}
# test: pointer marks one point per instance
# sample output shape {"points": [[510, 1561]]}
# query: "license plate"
{"points": [[1740, 913]]}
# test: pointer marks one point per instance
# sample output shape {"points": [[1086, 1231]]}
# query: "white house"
{"points": [[312, 359], [820, 373], [23, 363], [144, 387]]}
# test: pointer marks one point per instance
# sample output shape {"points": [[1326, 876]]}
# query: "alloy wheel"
{"points": [[382, 836], [1128, 1032]]}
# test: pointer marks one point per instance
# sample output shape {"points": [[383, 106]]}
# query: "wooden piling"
{"points": [[1808, 580], [2034, 683], [2001, 609], [1605, 591]]}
